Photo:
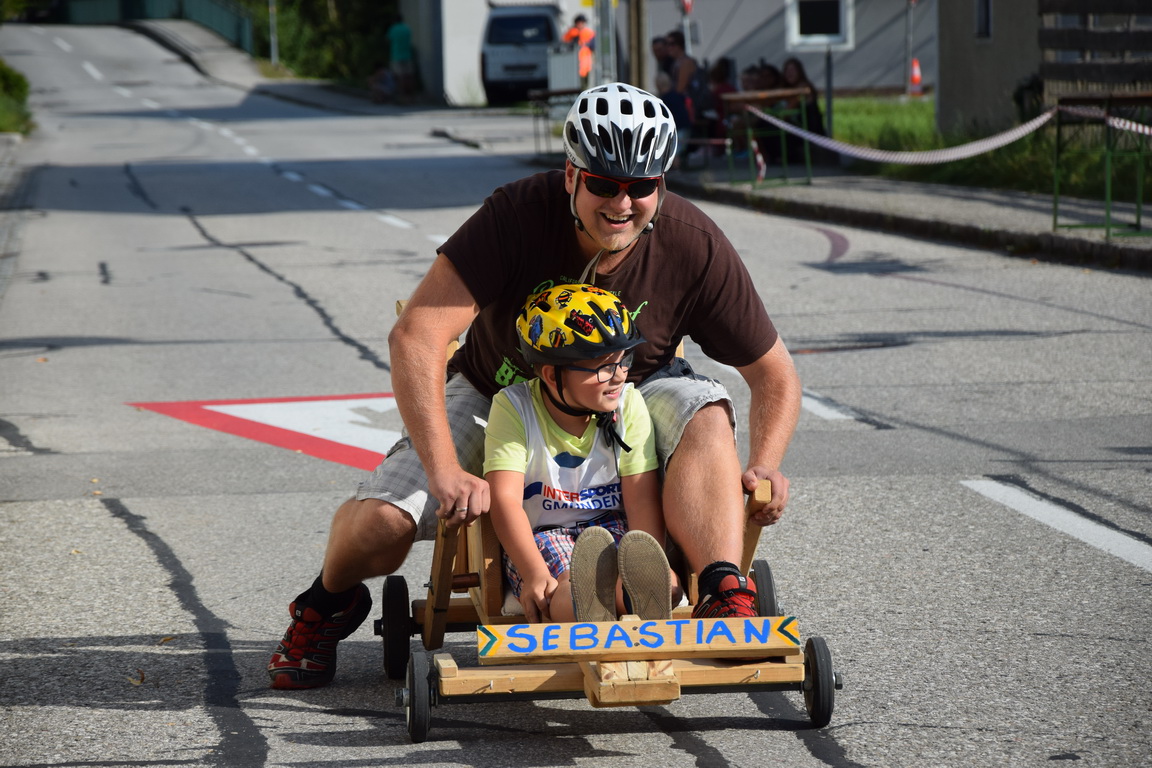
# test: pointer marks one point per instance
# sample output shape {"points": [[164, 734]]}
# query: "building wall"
{"points": [[747, 31], [449, 32], [978, 76]]}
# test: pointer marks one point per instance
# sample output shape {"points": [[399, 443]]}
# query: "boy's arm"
{"points": [[515, 535]]}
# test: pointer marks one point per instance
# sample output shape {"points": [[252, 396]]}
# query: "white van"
{"points": [[514, 51]]}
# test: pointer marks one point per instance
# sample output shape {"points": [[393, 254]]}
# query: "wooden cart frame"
{"points": [[629, 662]]}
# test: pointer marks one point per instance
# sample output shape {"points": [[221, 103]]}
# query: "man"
{"points": [[660, 53], [606, 219], [582, 35]]}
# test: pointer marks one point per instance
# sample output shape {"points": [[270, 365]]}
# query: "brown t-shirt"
{"points": [[682, 279]]}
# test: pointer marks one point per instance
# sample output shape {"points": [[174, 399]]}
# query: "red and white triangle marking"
{"points": [[338, 428]]}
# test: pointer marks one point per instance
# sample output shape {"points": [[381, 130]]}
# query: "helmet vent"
{"points": [[605, 140], [646, 142], [626, 143], [583, 106], [626, 108], [650, 109], [602, 106]]}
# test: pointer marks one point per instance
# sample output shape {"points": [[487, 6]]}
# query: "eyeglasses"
{"points": [[606, 372], [606, 186]]}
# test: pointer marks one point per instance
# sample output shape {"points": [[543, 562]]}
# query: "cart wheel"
{"points": [[418, 703], [766, 603], [395, 626], [819, 682]]}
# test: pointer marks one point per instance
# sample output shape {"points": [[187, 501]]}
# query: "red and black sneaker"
{"points": [[733, 598], [306, 657]]}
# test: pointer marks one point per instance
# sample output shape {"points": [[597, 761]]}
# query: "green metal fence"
{"points": [[227, 19]]}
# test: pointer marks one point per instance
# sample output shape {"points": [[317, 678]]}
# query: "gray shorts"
{"points": [[673, 395]]}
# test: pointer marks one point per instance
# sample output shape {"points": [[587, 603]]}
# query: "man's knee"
{"points": [[377, 528]]}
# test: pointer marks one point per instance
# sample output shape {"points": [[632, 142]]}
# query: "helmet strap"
{"points": [[562, 402], [605, 420]]}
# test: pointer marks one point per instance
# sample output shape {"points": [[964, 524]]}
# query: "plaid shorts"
{"points": [[556, 544], [673, 395]]}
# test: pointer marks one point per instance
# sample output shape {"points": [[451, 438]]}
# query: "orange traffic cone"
{"points": [[914, 87]]}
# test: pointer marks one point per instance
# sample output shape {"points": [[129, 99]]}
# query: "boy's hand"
{"points": [[536, 598], [772, 511]]}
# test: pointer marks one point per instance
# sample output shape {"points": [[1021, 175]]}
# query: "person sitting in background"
{"points": [[677, 104], [793, 76], [720, 81], [689, 79], [660, 53], [769, 77]]}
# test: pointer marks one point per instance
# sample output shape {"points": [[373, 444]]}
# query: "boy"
{"points": [[565, 455]]}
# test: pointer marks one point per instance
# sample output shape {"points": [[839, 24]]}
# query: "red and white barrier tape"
{"points": [[935, 156]]}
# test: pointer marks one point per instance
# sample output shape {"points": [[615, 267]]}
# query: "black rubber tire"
{"points": [[766, 602], [819, 682], [395, 626], [418, 711]]}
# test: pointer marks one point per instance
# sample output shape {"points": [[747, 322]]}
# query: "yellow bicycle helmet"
{"points": [[574, 322]]}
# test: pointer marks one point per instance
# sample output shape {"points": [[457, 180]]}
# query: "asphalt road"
{"points": [[971, 525]]}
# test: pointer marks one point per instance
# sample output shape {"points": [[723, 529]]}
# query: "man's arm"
{"points": [[439, 311], [774, 411]]}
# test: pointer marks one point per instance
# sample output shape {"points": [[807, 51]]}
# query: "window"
{"points": [[517, 30], [983, 19], [816, 25]]}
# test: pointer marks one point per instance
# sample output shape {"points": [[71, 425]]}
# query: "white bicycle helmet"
{"points": [[619, 130]]}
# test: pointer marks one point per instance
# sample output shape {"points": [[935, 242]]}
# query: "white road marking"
{"points": [[122, 91], [351, 205], [438, 239], [292, 176], [830, 410], [342, 421], [91, 70], [1113, 542], [149, 104], [62, 45], [251, 151], [316, 189], [394, 221]]}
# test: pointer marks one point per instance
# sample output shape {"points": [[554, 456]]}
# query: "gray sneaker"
{"points": [[647, 577], [593, 572]]}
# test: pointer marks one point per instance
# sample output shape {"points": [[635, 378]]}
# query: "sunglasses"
{"points": [[605, 372], [606, 186]]}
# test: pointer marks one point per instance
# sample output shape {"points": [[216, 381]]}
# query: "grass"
{"points": [[14, 116], [1025, 165]]}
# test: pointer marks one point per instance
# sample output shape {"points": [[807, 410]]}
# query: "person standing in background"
{"points": [[581, 34], [400, 56]]}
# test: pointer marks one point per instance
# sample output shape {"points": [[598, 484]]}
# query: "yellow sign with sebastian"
{"points": [[762, 636]]}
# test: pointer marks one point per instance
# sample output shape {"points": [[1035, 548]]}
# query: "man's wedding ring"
{"points": [[461, 509]]}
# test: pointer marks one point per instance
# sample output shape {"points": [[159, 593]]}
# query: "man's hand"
{"points": [[771, 511], [463, 497]]}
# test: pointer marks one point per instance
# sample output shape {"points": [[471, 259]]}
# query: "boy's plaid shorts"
{"points": [[555, 544]]}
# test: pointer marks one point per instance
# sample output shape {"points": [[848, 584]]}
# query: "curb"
{"points": [[1049, 246], [160, 36]]}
